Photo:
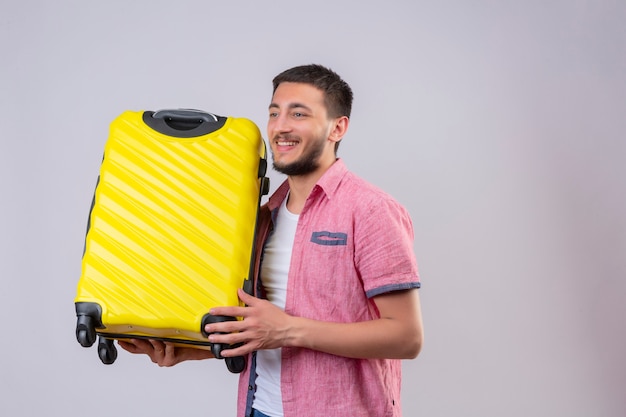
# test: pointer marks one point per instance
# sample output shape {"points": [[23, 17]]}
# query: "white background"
{"points": [[500, 125]]}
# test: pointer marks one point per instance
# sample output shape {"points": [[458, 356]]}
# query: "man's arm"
{"points": [[397, 334]]}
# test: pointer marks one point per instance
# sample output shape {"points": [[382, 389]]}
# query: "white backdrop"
{"points": [[499, 124]]}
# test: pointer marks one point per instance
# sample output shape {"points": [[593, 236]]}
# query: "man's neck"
{"points": [[300, 187]]}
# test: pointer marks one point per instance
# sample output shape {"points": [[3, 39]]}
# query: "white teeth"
{"points": [[287, 143]]}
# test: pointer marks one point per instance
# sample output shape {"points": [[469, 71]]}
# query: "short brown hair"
{"points": [[337, 93]]}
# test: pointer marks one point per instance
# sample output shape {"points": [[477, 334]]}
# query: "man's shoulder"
{"points": [[363, 192]]}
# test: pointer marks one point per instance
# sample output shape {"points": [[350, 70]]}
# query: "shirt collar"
{"points": [[328, 184]]}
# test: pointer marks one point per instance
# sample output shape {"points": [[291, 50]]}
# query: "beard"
{"points": [[306, 164]]}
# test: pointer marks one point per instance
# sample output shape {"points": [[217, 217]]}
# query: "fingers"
{"points": [[158, 347], [170, 350], [228, 311], [229, 338], [135, 345], [238, 344], [128, 346], [245, 297], [169, 355], [163, 354], [236, 311], [224, 327], [242, 350]]}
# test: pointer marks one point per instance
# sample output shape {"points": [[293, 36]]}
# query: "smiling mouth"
{"points": [[286, 143]]}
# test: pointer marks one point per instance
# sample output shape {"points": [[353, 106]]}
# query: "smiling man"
{"points": [[336, 304]]}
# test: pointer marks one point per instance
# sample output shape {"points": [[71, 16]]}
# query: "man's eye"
{"points": [[298, 114], [273, 114]]}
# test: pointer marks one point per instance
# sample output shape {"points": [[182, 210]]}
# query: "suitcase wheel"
{"points": [[107, 351], [216, 348], [236, 365], [85, 331], [88, 318]]}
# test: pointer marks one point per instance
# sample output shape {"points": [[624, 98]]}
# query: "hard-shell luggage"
{"points": [[171, 229]]}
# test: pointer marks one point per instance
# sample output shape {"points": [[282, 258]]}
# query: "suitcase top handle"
{"points": [[185, 115], [183, 123]]}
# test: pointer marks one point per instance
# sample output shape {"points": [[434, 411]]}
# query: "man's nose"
{"points": [[279, 124]]}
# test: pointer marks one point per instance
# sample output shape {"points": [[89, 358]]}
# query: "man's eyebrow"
{"points": [[290, 106]]}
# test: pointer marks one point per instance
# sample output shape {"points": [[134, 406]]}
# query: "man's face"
{"points": [[298, 129]]}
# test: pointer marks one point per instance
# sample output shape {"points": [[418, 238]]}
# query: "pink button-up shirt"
{"points": [[352, 242]]}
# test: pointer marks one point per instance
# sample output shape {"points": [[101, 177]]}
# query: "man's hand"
{"points": [[163, 353], [264, 326], [396, 334]]}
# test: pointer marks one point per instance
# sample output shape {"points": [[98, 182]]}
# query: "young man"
{"points": [[336, 304]]}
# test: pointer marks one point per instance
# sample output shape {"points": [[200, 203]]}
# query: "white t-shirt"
{"points": [[274, 273]]}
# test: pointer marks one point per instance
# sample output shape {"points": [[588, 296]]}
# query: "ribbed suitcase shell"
{"points": [[171, 228]]}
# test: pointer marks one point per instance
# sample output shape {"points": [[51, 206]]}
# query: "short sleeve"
{"points": [[384, 255]]}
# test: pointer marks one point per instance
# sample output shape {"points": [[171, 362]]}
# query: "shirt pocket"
{"points": [[331, 249], [326, 238]]}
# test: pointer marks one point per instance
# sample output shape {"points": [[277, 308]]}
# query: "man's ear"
{"points": [[340, 128]]}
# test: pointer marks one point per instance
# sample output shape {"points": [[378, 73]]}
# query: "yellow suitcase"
{"points": [[171, 228]]}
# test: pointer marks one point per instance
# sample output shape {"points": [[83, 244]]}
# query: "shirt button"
{"points": [[249, 387]]}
